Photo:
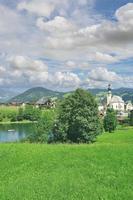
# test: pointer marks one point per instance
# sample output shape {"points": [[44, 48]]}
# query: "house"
{"points": [[46, 102], [129, 106]]}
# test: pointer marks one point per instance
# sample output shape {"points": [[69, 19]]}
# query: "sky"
{"points": [[66, 44]]}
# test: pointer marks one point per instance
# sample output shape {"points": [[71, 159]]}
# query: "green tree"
{"points": [[43, 128], [131, 118], [110, 120], [1, 117], [78, 119], [31, 113], [13, 117], [20, 115]]}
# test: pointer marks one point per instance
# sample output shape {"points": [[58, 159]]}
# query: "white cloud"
{"points": [[103, 74], [25, 71], [107, 36], [65, 80], [70, 64], [125, 14], [103, 57], [2, 71], [56, 26], [70, 35], [11, 22], [38, 7], [25, 63]]}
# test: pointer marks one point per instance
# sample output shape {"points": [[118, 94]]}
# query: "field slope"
{"points": [[101, 171]]}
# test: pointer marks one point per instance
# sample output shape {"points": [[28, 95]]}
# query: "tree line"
{"points": [[29, 112], [76, 120]]}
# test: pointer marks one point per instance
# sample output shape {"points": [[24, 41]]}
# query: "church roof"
{"points": [[116, 99]]}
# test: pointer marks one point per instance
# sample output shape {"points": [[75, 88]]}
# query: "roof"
{"points": [[42, 101], [116, 99]]}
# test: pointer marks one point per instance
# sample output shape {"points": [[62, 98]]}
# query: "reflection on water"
{"points": [[15, 132]]}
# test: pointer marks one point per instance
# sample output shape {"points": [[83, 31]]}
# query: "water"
{"points": [[15, 132]]}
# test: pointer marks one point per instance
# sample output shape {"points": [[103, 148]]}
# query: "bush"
{"points": [[110, 120], [78, 119]]}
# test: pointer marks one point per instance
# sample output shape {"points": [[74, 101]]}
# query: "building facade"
{"points": [[115, 102]]}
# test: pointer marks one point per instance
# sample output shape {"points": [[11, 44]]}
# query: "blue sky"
{"points": [[65, 44]]}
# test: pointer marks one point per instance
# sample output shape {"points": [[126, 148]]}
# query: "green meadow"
{"points": [[99, 171]]}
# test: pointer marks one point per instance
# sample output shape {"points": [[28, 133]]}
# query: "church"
{"points": [[115, 102]]}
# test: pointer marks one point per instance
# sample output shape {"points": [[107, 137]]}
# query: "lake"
{"points": [[15, 132]]}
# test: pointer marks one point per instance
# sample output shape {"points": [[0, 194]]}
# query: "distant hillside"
{"points": [[125, 93], [34, 94]]}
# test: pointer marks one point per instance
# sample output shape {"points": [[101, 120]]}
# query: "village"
{"points": [[121, 107], [116, 103]]}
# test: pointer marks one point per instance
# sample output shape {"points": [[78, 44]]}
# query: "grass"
{"points": [[101, 171]]}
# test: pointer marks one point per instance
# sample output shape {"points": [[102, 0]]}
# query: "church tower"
{"points": [[109, 95]]}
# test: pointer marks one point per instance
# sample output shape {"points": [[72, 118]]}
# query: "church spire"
{"points": [[109, 95], [109, 88]]}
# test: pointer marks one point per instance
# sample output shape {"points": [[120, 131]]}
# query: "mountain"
{"points": [[34, 94]]}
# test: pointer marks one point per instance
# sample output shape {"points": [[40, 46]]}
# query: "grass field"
{"points": [[101, 171]]}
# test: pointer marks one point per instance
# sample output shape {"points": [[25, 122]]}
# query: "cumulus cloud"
{"points": [[22, 70], [46, 7], [2, 71], [103, 74], [106, 36], [103, 58], [38, 7], [63, 32], [9, 20], [27, 70], [56, 26], [25, 63], [65, 80]]}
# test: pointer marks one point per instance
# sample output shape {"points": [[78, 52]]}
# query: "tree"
{"points": [[43, 128], [78, 119], [131, 118], [110, 120], [31, 113], [20, 115]]}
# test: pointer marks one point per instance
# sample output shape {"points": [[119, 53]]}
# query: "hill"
{"points": [[34, 94], [102, 170]]}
